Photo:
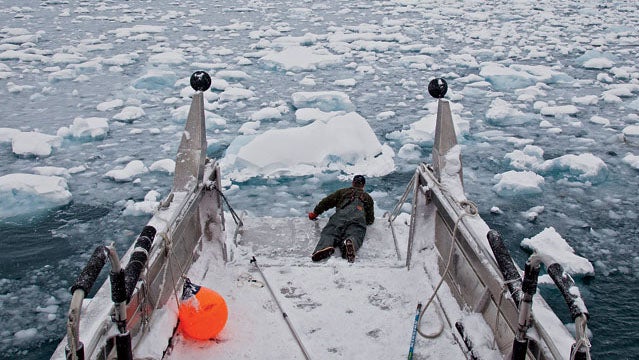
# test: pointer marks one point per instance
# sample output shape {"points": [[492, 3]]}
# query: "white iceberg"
{"points": [[554, 249], [344, 143], [30, 194]]}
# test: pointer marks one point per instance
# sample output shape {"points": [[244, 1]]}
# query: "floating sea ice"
{"points": [[582, 167], [29, 194], [530, 157], [65, 74], [93, 128], [232, 75], [110, 105], [155, 79], [52, 171], [632, 160], [236, 94], [343, 143], [301, 58], [502, 112], [517, 76], [147, 206], [593, 54], [554, 249], [585, 100], [6, 134], [631, 134], [167, 58], [130, 171], [129, 114], [34, 144], [323, 100], [268, 113], [514, 183], [598, 63], [307, 115], [25, 335], [559, 110], [595, 119], [164, 165]]}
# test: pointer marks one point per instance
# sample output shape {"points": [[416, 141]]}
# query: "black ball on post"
{"points": [[200, 81], [437, 88]]}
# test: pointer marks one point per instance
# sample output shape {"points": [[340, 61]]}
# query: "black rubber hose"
{"points": [[565, 283], [90, 273], [506, 265], [531, 275], [138, 259], [118, 287]]}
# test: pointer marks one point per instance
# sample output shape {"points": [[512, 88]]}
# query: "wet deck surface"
{"points": [[363, 310]]}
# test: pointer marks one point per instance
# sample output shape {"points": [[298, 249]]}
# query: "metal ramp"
{"points": [[339, 310]]}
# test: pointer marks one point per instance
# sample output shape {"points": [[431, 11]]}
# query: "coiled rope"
{"points": [[470, 209]]}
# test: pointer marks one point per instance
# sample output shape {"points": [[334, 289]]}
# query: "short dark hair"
{"points": [[359, 180]]}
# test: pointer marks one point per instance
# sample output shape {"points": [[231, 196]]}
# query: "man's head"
{"points": [[359, 181]]}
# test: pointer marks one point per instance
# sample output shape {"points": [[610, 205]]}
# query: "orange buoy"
{"points": [[202, 312]]}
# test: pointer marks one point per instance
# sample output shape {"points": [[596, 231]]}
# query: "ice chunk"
{"points": [[168, 58], [502, 112], [110, 105], [25, 335], [598, 63], [554, 249], [631, 134], [6, 134], [129, 114], [155, 79], [130, 171], [93, 128], [306, 115], [147, 206], [323, 100], [164, 165], [512, 183], [559, 110], [34, 144], [518, 76], [344, 143], [236, 94], [301, 58], [530, 157], [267, 113], [52, 171], [632, 160], [582, 167], [30, 194], [231, 75]]}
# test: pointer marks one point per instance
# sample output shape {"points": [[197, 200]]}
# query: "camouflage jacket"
{"points": [[343, 196]]}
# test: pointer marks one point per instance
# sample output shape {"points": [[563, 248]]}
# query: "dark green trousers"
{"points": [[346, 223]]}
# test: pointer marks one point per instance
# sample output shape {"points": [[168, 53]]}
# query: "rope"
{"points": [[582, 341], [236, 218], [469, 209]]}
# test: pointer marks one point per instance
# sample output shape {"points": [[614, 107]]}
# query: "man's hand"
{"points": [[312, 216]]}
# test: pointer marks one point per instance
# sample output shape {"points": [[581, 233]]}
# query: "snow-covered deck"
{"points": [[363, 310]]}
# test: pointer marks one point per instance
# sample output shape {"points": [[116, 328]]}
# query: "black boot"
{"points": [[349, 250]]}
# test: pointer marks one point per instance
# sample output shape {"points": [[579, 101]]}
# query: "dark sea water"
{"points": [[40, 255]]}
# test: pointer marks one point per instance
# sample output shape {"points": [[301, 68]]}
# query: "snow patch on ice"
{"points": [[554, 249]]}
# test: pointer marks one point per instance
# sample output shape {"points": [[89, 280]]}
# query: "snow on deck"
{"points": [[363, 310]]}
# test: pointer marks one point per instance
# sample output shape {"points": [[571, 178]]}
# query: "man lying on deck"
{"points": [[347, 227]]}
